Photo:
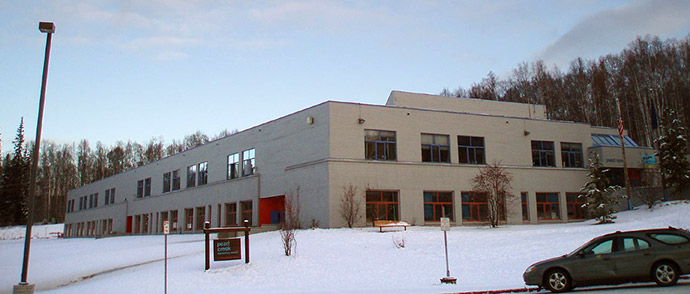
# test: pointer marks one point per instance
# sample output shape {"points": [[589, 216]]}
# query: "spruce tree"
{"points": [[673, 146], [597, 193], [14, 183]]}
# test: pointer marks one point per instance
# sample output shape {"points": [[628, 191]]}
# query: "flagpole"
{"points": [[625, 161]]}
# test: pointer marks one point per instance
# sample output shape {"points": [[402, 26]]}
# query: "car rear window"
{"points": [[670, 238]]}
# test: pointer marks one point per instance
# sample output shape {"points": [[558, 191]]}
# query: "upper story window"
{"points": [[191, 176], [167, 182], [233, 166], [571, 154], [543, 153], [435, 148], [379, 145], [109, 196], [147, 187], [203, 173], [248, 163], [140, 188], [471, 150], [176, 180]]}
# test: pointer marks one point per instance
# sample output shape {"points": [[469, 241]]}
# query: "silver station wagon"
{"points": [[659, 255]]}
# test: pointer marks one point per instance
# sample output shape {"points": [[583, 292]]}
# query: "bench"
{"points": [[390, 224], [57, 234]]}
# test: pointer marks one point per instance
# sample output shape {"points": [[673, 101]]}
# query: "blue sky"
{"points": [[134, 70]]}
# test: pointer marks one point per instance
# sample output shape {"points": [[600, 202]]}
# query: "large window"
{"points": [[147, 187], [379, 145], [471, 150], [233, 166], [248, 163], [188, 219], [525, 206], [475, 206], [167, 181], [382, 205], [574, 204], [109, 196], [230, 214], [176, 180], [438, 205], [191, 176], [543, 153], [247, 210], [200, 217], [548, 207], [435, 148], [571, 154], [203, 173]]}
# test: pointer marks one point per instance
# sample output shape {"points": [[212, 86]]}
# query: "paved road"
{"points": [[683, 287]]}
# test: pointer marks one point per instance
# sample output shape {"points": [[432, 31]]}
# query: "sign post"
{"points": [[445, 227], [226, 249], [166, 231]]}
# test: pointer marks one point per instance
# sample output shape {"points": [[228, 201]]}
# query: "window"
{"points": [[471, 150], [173, 220], [547, 206], [164, 217], [200, 218], [137, 223], [379, 145], [107, 197], [574, 204], [112, 196], [248, 162], [140, 188], [671, 239], [611, 140], [147, 187], [437, 205], [145, 223], [475, 207], [176, 180], [230, 214], [382, 205], [571, 154], [95, 200], [435, 148], [601, 248], [632, 244], [191, 176], [91, 201], [203, 173], [543, 153], [246, 207], [525, 206], [233, 166], [188, 219], [167, 181]]}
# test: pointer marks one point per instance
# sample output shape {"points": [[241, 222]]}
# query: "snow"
{"points": [[326, 260]]}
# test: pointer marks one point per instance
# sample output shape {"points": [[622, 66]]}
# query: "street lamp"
{"points": [[24, 287]]}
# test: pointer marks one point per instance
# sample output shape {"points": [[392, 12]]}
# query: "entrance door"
{"points": [[129, 224]]}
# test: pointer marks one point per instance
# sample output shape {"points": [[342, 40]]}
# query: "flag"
{"points": [[620, 125]]}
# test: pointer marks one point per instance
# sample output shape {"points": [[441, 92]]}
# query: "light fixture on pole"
{"points": [[24, 286]]}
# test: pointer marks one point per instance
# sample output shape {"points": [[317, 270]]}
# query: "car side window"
{"points": [[671, 239], [602, 248], [631, 244]]}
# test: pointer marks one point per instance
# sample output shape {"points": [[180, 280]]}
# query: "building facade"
{"points": [[411, 159]]}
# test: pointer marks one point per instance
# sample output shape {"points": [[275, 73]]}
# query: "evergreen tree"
{"points": [[675, 168], [14, 183], [597, 193]]}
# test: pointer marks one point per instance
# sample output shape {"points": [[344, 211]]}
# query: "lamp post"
{"points": [[24, 287]]}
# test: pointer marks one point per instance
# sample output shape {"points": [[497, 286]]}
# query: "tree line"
{"points": [[63, 167], [647, 77]]}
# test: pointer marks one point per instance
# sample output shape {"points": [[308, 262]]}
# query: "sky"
{"points": [[137, 70]]}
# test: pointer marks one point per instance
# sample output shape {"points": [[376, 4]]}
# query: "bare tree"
{"points": [[291, 223], [495, 181], [350, 206]]}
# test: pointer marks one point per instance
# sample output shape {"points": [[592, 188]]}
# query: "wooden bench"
{"points": [[57, 234], [390, 224]]}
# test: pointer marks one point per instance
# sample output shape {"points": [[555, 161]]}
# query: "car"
{"points": [[659, 255]]}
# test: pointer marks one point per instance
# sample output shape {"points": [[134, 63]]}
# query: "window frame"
{"points": [[388, 148], [167, 182], [547, 203], [575, 207], [542, 156], [176, 180], [191, 176], [147, 187], [470, 151], [381, 202], [435, 147], [199, 217], [231, 214], [524, 199], [188, 219], [234, 166], [571, 157], [248, 162], [247, 209], [434, 202], [202, 173]]}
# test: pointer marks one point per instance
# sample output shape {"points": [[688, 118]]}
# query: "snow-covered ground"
{"points": [[326, 261]]}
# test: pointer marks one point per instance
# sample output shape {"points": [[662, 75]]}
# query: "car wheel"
{"points": [[665, 273], [558, 281]]}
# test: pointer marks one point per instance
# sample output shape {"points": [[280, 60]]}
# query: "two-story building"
{"points": [[411, 159]]}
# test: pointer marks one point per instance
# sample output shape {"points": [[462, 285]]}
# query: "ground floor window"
{"points": [[548, 207], [230, 214], [173, 220], [145, 224], [438, 205], [200, 218], [382, 205], [247, 211], [164, 217], [574, 204], [137, 224], [188, 219], [475, 206], [525, 206]]}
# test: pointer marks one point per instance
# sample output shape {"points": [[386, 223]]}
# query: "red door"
{"points": [[129, 224]]}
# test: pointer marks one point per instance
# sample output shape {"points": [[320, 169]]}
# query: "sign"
{"points": [[166, 227], [648, 161], [445, 224], [226, 249]]}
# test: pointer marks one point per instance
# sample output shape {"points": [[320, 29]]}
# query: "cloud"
{"points": [[611, 30]]}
